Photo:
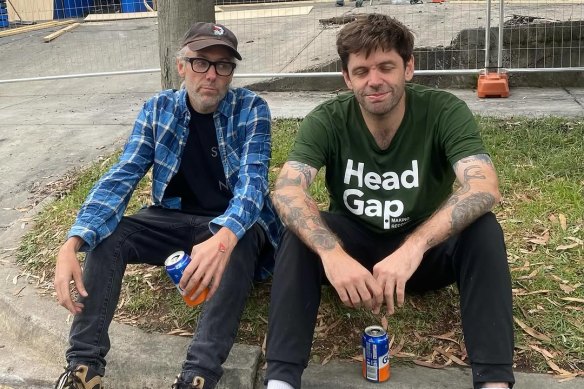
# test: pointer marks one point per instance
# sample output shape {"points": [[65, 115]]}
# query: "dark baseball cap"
{"points": [[202, 35]]}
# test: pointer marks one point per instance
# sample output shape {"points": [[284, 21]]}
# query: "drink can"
{"points": [[375, 354], [175, 265]]}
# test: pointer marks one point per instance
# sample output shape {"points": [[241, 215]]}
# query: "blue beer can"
{"points": [[175, 265], [375, 343]]}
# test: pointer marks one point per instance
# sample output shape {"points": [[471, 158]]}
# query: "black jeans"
{"points": [[475, 259], [150, 237]]}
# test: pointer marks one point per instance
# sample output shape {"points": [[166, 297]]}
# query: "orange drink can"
{"points": [[175, 265]]}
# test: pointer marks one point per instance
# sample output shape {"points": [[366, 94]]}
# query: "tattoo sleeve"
{"points": [[466, 205], [297, 208]]}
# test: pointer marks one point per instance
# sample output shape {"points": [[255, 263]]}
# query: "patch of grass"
{"points": [[541, 171]]}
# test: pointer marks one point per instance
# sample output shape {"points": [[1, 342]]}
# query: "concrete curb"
{"points": [[137, 360]]}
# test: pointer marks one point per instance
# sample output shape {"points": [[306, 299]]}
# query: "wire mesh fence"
{"points": [[43, 38]]}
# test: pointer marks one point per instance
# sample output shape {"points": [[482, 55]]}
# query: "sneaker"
{"points": [[179, 383], [78, 377]]}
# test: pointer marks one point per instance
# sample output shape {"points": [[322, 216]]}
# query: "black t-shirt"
{"points": [[200, 181]]}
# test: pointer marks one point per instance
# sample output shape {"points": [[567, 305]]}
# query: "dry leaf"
{"points": [[563, 221], [573, 299], [568, 378], [403, 355], [567, 288], [531, 331], [567, 246], [447, 336], [358, 358], [542, 351], [450, 356], [428, 364], [384, 323], [555, 367], [530, 275], [397, 349]]}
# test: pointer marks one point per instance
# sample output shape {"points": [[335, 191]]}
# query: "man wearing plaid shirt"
{"points": [[209, 149]]}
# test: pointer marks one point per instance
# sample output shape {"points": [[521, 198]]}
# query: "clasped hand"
{"points": [[357, 287]]}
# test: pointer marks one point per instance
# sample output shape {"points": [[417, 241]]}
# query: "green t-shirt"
{"points": [[400, 187]]}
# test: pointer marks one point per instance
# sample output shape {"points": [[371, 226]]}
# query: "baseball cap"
{"points": [[202, 35]]}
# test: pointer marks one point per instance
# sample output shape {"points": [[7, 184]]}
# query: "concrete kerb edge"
{"points": [[41, 325]]}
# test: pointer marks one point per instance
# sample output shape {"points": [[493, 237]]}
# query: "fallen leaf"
{"points": [[563, 221], [428, 364], [567, 246], [404, 355], [555, 367], [567, 288], [542, 351], [573, 299], [19, 290], [532, 332], [398, 348], [447, 336], [328, 358], [450, 356], [530, 275], [384, 323], [568, 378], [358, 358]]}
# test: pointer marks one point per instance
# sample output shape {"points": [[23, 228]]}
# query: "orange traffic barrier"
{"points": [[493, 84]]}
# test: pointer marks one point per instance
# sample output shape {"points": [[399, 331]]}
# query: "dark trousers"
{"points": [[150, 237], [475, 259]]}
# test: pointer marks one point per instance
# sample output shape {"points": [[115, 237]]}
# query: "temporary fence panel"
{"points": [[288, 37]]}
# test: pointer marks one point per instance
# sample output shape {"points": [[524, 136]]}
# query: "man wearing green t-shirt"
{"points": [[392, 152]]}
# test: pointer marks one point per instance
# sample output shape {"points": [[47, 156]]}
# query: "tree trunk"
{"points": [[174, 19]]}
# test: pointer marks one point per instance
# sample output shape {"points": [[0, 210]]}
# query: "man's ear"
{"points": [[181, 67], [410, 69], [347, 79]]}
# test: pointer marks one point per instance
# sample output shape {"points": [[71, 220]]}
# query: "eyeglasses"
{"points": [[202, 65]]}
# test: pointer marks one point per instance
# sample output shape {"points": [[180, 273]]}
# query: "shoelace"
{"points": [[69, 380]]}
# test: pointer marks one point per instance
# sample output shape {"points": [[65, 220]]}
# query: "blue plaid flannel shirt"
{"points": [[243, 125]]}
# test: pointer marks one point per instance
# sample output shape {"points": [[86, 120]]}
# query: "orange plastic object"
{"points": [[494, 84], [437, 1]]}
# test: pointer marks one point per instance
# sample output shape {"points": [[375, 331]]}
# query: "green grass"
{"points": [[541, 171]]}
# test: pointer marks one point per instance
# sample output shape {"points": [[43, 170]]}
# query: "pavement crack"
{"points": [[574, 98]]}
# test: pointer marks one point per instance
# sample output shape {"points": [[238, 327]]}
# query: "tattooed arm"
{"points": [[299, 212], [297, 208], [477, 194]]}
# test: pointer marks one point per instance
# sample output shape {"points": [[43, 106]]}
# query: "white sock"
{"points": [[277, 384]]}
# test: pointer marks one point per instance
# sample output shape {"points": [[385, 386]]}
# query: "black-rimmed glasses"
{"points": [[202, 65]]}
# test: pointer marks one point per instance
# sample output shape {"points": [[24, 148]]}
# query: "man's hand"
{"points": [[394, 271], [67, 269], [208, 262], [354, 284]]}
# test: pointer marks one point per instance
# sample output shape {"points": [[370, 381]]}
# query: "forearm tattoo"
{"points": [[299, 211], [303, 169], [467, 209]]}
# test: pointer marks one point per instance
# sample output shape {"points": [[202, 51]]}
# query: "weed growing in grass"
{"points": [[541, 171]]}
